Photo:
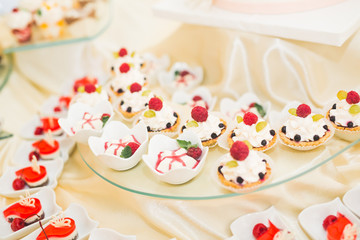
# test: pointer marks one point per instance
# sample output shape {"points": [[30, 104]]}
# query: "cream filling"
{"points": [[70, 237], [57, 132], [50, 156], [245, 132], [113, 145], [349, 232], [96, 124], [284, 235], [135, 100], [38, 183], [247, 169], [28, 220], [89, 98], [167, 164], [342, 114], [184, 81], [164, 116], [19, 20], [123, 80], [205, 129]]}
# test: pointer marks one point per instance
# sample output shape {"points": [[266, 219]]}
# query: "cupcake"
{"points": [[89, 94], [242, 168], [133, 101], [254, 130], [207, 126], [345, 113], [159, 117], [304, 129], [50, 19], [132, 59], [19, 21]]}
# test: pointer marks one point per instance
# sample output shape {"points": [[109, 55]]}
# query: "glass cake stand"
{"points": [[6, 65], [5, 135], [289, 164]]}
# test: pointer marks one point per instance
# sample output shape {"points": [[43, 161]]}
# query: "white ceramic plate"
{"points": [[47, 109], [118, 130], [161, 143], [21, 156], [108, 234], [53, 168], [48, 203], [352, 199], [84, 224], [311, 218], [27, 131]]}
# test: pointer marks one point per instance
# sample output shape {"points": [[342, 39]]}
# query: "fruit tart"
{"points": [[59, 228], [261, 232], [339, 228], [207, 126], [19, 21], [89, 94], [33, 176]]}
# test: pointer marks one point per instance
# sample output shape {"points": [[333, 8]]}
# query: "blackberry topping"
{"points": [[332, 118], [261, 176], [264, 160], [263, 142], [350, 124], [175, 114], [272, 132], [239, 180], [121, 103], [213, 135], [233, 134], [316, 137], [148, 128], [326, 127], [146, 104], [283, 129], [297, 138], [120, 90], [112, 68], [221, 125], [334, 106], [183, 127], [128, 109], [219, 169], [168, 125]]}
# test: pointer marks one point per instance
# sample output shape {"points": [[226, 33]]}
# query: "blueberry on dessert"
{"points": [[261, 232], [304, 128], [207, 126], [59, 228], [243, 168], [339, 227], [254, 130], [91, 122], [23, 213], [124, 148], [33, 176], [186, 156], [134, 100], [159, 117], [345, 112]]}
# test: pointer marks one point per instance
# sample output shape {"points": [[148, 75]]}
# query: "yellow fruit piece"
{"points": [[260, 126], [341, 95], [98, 89], [354, 109], [317, 117], [292, 111], [132, 54], [131, 65], [116, 54], [248, 144], [146, 93], [43, 25], [81, 89], [149, 114], [192, 124], [232, 164], [239, 119]]}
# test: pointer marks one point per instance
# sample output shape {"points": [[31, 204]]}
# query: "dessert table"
{"points": [[275, 69]]}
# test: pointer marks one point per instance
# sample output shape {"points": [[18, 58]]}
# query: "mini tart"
{"points": [[342, 128], [290, 142], [143, 100], [261, 149], [63, 229], [27, 209], [32, 178], [170, 129], [46, 150]]}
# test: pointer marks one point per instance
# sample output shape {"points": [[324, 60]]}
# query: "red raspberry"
{"points": [[303, 110], [155, 104], [259, 230], [15, 10], [197, 98], [17, 224], [135, 87], [328, 221], [184, 73], [194, 152], [57, 109], [250, 118], [105, 115], [34, 153], [352, 97], [18, 184], [124, 68], [90, 88], [134, 146], [123, 52], [252, 105], [239, 150], [199, 114], [39, 131]]}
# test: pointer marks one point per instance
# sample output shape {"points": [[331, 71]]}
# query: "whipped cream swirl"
{"points": [[136, 101], [306, 128], [162, 118], [19, 20], [174, 159], [123, 80], [245, 132], [343, 116], [207, 128]]}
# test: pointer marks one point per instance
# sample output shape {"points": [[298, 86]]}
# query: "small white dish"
{"points": [[242, 227], [53, 169], [161, 143], [184, 98], [48, 202], [116, 130], [351, 199], [84, 224], [311, 219], [167, 79], [21, 156], [76, 113], [231, 107], [154, 65], [27, 131], [47, 109], [109, 234]]}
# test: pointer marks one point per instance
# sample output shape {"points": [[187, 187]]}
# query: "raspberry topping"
{"points": [[17, 224], [194, 152], [259, 230], [252, 105], [90, 88], [57, 109], [123, 52], [135, 87], [197, 98], [328, 221], [134, 146], [18, 184], [199, 114], [39, 131], [15, 10], [32, 154], [352, 97], [239, 150], [124, 68], [250, 118], [303, 110], [155, 104]]}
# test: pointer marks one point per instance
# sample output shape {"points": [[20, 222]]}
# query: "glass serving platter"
{"points": [[289, 164], [6, 65], [82, 30], [5, 135]]}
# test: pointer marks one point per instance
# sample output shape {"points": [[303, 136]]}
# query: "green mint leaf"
{"points": [[260, 110], [104, 119], [126, 152], [184, 144], [38, 12], [177, 73]]}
